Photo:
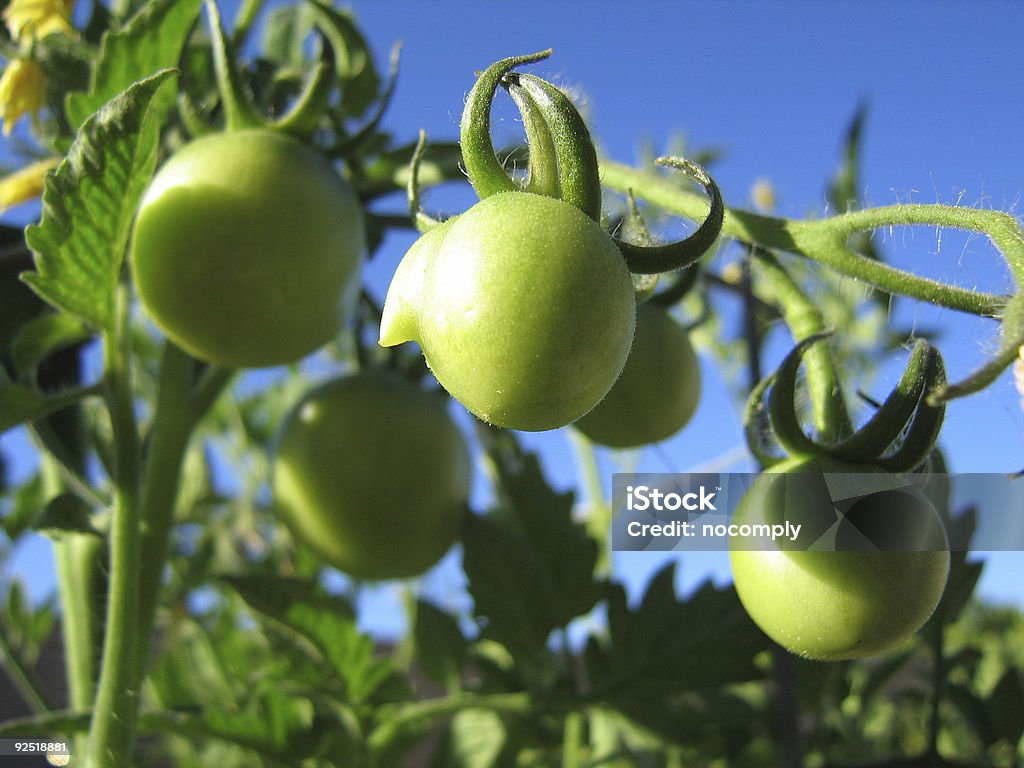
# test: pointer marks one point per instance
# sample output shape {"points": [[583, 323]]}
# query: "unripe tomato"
{"points": [[833, 605], [523, 306], [658, 390], [372, 474], [247, 249]]}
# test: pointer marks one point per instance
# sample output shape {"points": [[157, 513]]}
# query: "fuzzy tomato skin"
{"points": [[247, 249], [659, 388], [835, 605], [372, 474], [523, 306]]}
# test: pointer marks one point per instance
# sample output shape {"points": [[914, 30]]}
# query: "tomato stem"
{"points": [[176, 414], [831, 417], [823, 240], [238, 109], [111, 734]]}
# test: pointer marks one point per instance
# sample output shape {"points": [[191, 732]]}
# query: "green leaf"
{"points": [[152, 40], [46, 334], [974, 711], [89, 202], [20, 404], [354, 65], [666, 646], [440, 645], [285, 33], [25, 502], [18, 301], [273, 718], [478, 737], [321, 623], [65, 514], [1006, 706], [530, 567]]}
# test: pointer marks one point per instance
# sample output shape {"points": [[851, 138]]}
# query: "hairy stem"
{"points": [[831, 417], [178, 410], [824, 240], [112, 732]]}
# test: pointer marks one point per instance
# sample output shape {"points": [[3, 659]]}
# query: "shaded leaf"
{"points": [[666, 646], [320, 622], [65, 514], [1006, 706], [440, 644], [531, 567], [19, 404], [46, 334]]}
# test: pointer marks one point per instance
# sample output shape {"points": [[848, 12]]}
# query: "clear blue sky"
{"points": [[773, 85]]}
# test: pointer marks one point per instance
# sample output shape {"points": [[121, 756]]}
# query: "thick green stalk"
{"points": [[177, 412], [78, 560], [78, 556], [824, 240], [831, 417], [112, 732]]}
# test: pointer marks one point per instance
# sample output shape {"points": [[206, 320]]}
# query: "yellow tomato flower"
{"points": [[22, 88], [34, 19], [25, 184]]}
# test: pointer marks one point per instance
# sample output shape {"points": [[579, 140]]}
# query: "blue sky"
{"points": [[773, 86]]}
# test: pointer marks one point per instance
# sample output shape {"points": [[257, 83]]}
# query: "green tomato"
{"points": [[853, 598], [523, 306], [658, 390], [372, 474], [247, 249]]}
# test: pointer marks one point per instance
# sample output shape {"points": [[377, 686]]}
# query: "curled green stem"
{"points": [[687, 252], [424, 222], [486, 173]]}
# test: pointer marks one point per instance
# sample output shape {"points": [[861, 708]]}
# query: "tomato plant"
{"points": [[247, 249], [845, 602], [251, 569], [659, 388], [370, 472]]}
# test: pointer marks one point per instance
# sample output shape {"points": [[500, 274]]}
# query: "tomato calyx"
{"points": [[563, 161], [486, 173], [343, 68], [898, 437], [564, 147]]}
